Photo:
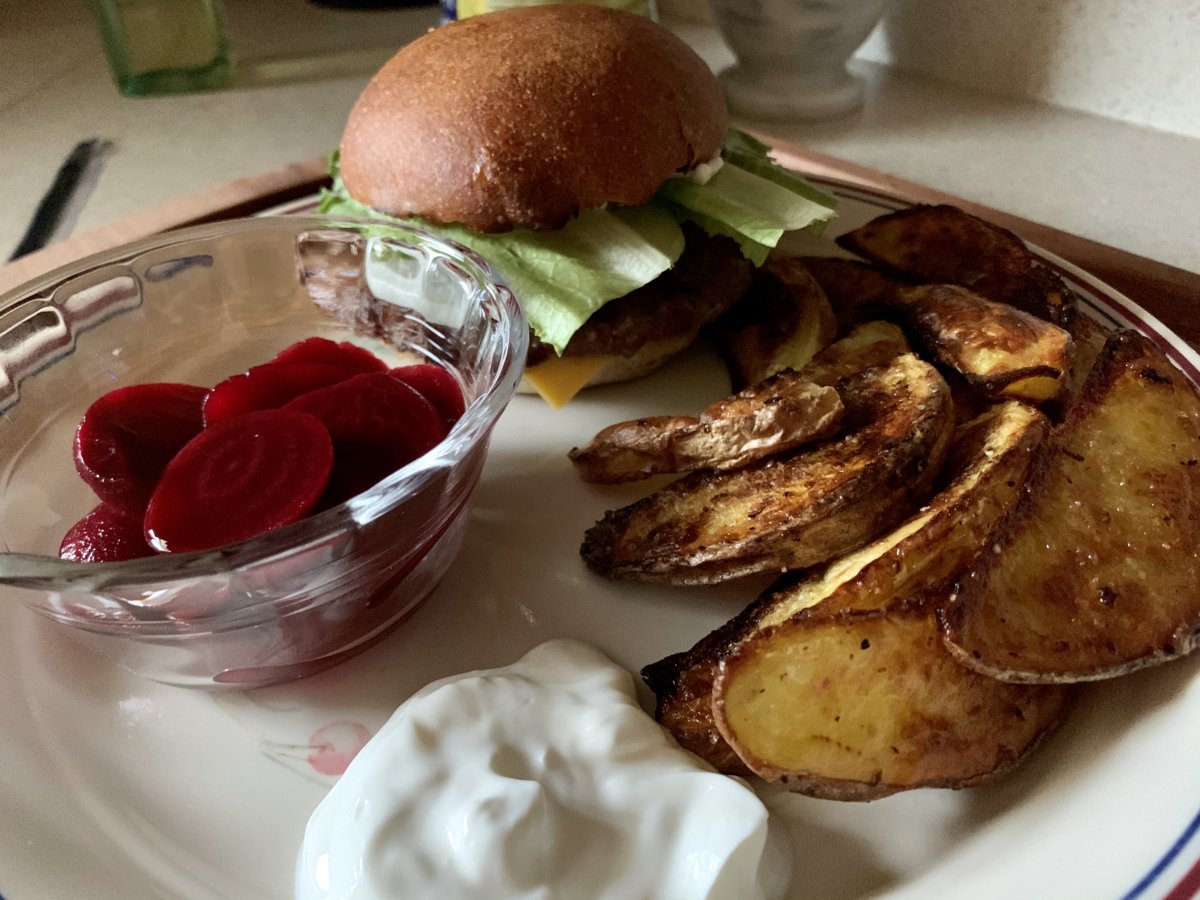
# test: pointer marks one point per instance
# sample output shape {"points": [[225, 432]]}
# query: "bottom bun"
{"points": [[626, 368]]}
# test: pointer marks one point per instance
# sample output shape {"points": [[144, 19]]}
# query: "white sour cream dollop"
{"points": [[543, 779]]}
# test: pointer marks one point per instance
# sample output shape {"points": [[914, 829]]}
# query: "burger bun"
{"points": [[525, 116]]}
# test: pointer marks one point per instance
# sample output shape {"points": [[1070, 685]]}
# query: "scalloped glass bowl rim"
{"points": [[356, 512]]}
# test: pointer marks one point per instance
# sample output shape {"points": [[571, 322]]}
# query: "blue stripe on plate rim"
{"points": [[1169, 857]]}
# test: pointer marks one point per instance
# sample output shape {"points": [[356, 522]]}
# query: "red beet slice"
{"points": [[240, 477], [269, 386], [322, 351], [377, 423], [128, 436], [109, 533], [439, 387]]}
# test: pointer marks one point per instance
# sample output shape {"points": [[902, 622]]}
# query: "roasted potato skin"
{"points": [[860, 704], [683, 685], [793, 510], [1000, 350], [1095, 573], [781, 323], [874, 343], [857, 291], [990, 461], [1089, 337], [942, 244], [780, 413]]}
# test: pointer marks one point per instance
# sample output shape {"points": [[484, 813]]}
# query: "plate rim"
{"points": [[1128, 312]]}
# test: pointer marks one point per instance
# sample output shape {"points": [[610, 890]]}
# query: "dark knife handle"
{"points": [[54, 203]]}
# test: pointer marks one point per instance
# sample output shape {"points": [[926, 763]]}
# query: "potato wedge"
{"points": [[859, 705], [1098, 572], [989, 462], [1000, 350], [856, 290], [792, 510], [781, 323], [780, 413], [870, 344], [946, 245], [1089, 337]]}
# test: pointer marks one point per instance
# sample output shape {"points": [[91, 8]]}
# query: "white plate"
{"points": [[114, 787]]}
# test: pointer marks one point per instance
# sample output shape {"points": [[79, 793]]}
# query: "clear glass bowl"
{"points": [[196, 306]]}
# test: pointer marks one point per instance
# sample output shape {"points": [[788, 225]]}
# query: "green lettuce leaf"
{"points": [[751, 199], [562, 277], [753, 155]]}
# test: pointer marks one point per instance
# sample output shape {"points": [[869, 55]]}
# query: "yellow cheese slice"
{"points": [[559, 379]]}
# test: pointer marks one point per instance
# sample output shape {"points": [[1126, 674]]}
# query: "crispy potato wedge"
{"points": [[1000, 350], [1089, 337], [871, 344], [968, 402], [792, 510], [1098, 571], [946, 245], [858, 705], [780, 413], [781, 323], [989, 463], [856, 290]]}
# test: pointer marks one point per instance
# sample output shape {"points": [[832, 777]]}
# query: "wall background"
{"points": [[1137, 61]]}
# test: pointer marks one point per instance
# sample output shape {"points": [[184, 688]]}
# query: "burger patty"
{"points": [[708, 278]]}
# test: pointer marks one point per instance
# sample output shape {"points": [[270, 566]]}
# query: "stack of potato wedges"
{"points": [[974, 496]]}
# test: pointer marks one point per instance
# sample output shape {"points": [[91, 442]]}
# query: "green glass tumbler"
{"points": [[164, 46]]}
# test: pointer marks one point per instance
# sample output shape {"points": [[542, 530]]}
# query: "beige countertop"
{"points": [[1117, 183]]}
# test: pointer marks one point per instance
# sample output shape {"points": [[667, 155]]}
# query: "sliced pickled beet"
{"points": [[128, 436], [109, 533], [322, 351], [269, 386], [438, 386], [238, 478], [377, 424]]}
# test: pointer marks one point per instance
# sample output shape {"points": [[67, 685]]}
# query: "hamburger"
{"points": [[586, 153]]}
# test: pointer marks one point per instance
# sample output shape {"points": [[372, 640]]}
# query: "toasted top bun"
{"points": [[525, 116]]}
